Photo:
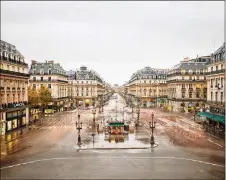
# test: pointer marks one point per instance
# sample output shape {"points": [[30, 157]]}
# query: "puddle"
{"points": [[130, 141]]}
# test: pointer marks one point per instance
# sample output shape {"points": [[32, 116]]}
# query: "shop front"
{"points": [[15, 119], [87, 102]]}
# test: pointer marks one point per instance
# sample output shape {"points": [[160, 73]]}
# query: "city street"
{"points": [[182, 150]]}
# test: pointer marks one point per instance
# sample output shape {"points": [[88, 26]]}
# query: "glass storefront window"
{"points": [[23, 120], [14, 114], [14, 122], [9, 125], [8, 115]]}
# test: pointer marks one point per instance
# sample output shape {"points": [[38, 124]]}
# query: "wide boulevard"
{"points": [[182, 150]]}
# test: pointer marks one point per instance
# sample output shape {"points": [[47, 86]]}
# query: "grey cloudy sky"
{"points": [[113, 38]]}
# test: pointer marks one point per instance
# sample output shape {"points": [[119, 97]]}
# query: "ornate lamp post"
{"points": [[79, 127], [194, 112], [152, 126], [94, 113], [138, 115], [123, 115]]}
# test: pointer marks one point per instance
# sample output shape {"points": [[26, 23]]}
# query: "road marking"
{"points": [[90, 158]]}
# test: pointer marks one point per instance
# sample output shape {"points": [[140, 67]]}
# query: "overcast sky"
{"points": [[113, 38]]}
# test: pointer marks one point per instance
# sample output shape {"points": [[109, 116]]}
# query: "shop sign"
{"points": [[18, 105]]}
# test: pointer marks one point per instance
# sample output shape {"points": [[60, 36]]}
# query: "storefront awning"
{"points": [[116, 124], [214, 117]]}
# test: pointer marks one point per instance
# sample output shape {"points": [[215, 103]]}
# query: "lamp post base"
{"points": [[152, 142]]}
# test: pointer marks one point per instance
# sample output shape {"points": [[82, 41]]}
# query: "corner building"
{"points": [[187, 89], [13, 89], [149, 85], [53, 76], [87, 86]]}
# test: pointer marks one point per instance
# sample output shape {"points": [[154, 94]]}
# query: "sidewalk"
{"points": [[189, 119]]}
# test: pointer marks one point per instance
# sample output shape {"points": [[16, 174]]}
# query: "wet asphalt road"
{"points": [[52, 151]]}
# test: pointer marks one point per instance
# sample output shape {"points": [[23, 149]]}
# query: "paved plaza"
{"points": [[181, 152]]}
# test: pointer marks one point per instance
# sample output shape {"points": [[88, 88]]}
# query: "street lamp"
{"points": [[94, 113], [79, 127], [152, 126], [138, 115], [194, 112], [123, 114]]}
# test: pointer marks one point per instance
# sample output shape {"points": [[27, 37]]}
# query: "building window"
{"points": [[41, 85], [211, 82], [216, 94], [183, 94], [182, 77], [222, 66], [197, 94], [34, 78], [87, 94], [49, 86], [222, 97], [190, 94], [222, 81], [216, 68], [41, 78], [50, 72], [190, 77], [211, 96]]}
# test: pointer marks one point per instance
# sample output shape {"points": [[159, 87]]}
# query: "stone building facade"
{"points": [[186, 84], [13, 89], [87, 86], [149, 85], [53, 76], [216, 82]]}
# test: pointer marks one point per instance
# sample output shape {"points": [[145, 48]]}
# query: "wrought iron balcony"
{"points": [[215, 72], [13, 61], [2, 71]]}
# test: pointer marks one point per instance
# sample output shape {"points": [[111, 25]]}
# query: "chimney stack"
{"points": [[52, 62], [33, 61]]}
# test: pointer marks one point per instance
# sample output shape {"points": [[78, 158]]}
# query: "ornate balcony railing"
{"points": [[12, 61], [187, 99], [216, 72], [186, 80], [2, 71], [49, 81]]}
